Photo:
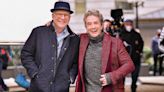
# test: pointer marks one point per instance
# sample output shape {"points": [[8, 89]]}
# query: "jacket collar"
{"points": [[106, 47]]}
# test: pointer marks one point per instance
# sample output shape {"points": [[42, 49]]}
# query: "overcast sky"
{"points": [[19, 17]]}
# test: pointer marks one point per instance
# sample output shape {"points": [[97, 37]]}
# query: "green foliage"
{"points": [[10, 63], [147, 53]]}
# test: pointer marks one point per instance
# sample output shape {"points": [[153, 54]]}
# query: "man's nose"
{"points": [[62, 16], [93, 26]]}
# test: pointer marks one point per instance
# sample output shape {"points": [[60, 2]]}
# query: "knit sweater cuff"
{"points": [[107, 76]]}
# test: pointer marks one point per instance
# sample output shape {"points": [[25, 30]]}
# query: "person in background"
{"points": [[4, 59], [50, 54], [103, 60], [107, 25], [156, 53], [161, 41], [161, 48], [134, 45]]}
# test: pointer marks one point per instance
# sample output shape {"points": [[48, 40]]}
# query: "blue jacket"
{"points": [[154, 45], [39, 56]]}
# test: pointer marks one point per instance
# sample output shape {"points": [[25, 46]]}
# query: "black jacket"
{"points": [[39, 56], [135, 41]]}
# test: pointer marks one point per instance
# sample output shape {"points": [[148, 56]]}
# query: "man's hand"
{"points": [[103, 80]]}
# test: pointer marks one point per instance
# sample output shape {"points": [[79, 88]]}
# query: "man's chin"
{"points": [[62, 26], [93, 35]]}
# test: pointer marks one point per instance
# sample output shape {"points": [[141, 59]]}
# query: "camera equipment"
{"points": [[117, 26], [117, 16]]}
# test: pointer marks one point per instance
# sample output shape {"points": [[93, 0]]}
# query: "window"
{"points": [[124, 4], [80, 6]]}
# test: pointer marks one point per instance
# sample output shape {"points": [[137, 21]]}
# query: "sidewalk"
{"points": [[141, 87], [145, 84]]}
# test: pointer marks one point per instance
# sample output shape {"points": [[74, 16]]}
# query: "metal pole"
{"points": [[136, 5]]}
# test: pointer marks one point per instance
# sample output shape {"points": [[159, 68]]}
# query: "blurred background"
{"points": [[19, 17]]}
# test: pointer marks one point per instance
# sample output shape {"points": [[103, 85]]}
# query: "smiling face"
{"points": [[60, 18], [93, 23], [93, 26]]}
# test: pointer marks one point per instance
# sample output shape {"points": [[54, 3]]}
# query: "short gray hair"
{"points": [[94, 13]]}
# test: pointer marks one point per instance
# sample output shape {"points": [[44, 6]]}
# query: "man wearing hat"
{"points": [[50, 53]]}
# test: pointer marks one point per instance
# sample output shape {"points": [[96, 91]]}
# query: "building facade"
{"points": [[146, 8]]}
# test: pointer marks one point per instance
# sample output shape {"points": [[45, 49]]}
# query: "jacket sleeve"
{"points": [[78, 87], [28, 55], [74, 68], [125, 64], [141, 44]]}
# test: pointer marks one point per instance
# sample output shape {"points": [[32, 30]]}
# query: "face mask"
{"points": [[128, 28]]}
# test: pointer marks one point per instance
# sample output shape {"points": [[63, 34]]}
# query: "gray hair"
{"points": [[94, 13]]}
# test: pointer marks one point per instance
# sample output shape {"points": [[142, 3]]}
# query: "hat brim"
{"points": [[52, 10]]}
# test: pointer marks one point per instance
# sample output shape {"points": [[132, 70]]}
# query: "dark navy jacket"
{"points": [[39, 56]]}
